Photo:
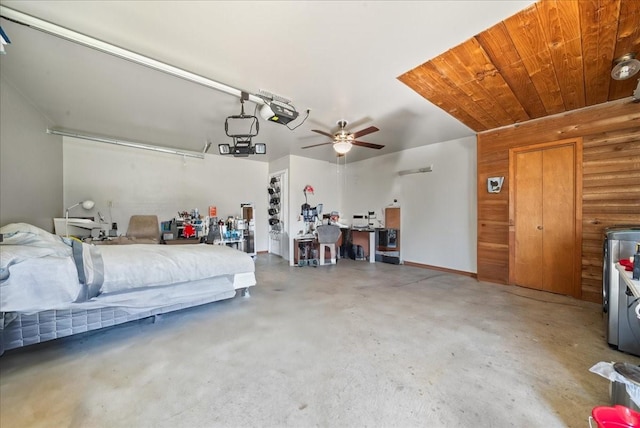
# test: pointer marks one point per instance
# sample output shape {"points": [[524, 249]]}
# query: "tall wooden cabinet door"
{"points": [[545, 219], [392, 221], [392, 218], [528, 214], [559, 212]]}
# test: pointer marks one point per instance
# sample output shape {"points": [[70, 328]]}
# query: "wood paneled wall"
{"points": [[611, 183]]}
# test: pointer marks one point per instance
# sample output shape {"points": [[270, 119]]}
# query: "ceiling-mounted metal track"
{"points": [[124, 143], [82, 39]]}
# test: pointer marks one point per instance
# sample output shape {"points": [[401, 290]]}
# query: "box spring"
{"points": [[28, 329]]}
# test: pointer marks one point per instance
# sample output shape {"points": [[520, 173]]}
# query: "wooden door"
{"points": [[528, 248], [558, 207], [544, 216]]}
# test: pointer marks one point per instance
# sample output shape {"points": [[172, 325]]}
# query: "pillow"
{"points": [[27, 234]]}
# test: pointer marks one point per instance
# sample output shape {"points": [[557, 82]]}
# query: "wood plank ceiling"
{"points": [[555, 56]]}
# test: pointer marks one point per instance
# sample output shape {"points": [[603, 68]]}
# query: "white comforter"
{"points": [[40, 271], [149, 265]]}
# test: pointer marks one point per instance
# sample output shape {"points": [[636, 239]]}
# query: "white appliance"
{"points": [[360, 221]]}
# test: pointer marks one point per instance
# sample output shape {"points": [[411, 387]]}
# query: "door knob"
{"points": [[539, 227]]}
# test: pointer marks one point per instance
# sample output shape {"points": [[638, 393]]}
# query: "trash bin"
{"points": [[619, 393]]}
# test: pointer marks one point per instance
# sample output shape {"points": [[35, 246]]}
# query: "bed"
{"points": [[52, 287]]}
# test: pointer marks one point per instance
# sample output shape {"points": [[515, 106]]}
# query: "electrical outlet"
{"points": [[110, 204]]}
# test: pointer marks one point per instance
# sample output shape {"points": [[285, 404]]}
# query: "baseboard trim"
{"points": [[457, 272]]}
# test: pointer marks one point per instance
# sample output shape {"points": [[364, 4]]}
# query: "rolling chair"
{"points": [[328, 235]]}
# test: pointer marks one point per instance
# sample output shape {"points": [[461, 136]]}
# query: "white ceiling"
{"points": [[340, 59]]}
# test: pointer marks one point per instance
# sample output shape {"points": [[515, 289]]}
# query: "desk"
{"points": [[305, 251], [230, 242], [366, 238]]}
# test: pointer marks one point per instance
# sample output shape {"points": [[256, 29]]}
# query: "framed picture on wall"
{"points": [[494, 184]]}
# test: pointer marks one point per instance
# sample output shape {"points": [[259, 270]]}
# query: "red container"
{"points": [[615, 417]]}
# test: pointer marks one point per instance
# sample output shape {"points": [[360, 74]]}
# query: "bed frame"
{"points": [[18, 330]]}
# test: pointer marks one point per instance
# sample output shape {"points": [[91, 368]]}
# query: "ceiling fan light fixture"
{"points": [[342, 147], [626, 66]]}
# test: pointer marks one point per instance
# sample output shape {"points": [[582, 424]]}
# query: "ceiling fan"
{"points": [[343, 140]]}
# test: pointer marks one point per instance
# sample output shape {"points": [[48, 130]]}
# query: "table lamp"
{"points": [[87, 205]]}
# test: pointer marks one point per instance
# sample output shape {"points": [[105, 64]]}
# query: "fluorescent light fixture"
{"points": [[416, 170], [118, 142], [82, 39]]}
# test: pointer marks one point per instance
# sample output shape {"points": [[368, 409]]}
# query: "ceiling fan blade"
{"points": [[316, 145], [323, 133], [365, 131], [313, 120], [360, 122], [369, 145]]}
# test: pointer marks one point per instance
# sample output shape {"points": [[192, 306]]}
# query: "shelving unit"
{"points": [[276, 214], [274, 205]]}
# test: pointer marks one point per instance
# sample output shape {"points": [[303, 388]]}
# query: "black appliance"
{"points": [[388, 238], [387, 246]]}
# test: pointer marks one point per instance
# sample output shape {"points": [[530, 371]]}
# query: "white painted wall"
{"points": [[30, 163], [438, 209], [145, 182], [280, 164]]}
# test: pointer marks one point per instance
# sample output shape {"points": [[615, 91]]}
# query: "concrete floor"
{"points": [[355, 344]]}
